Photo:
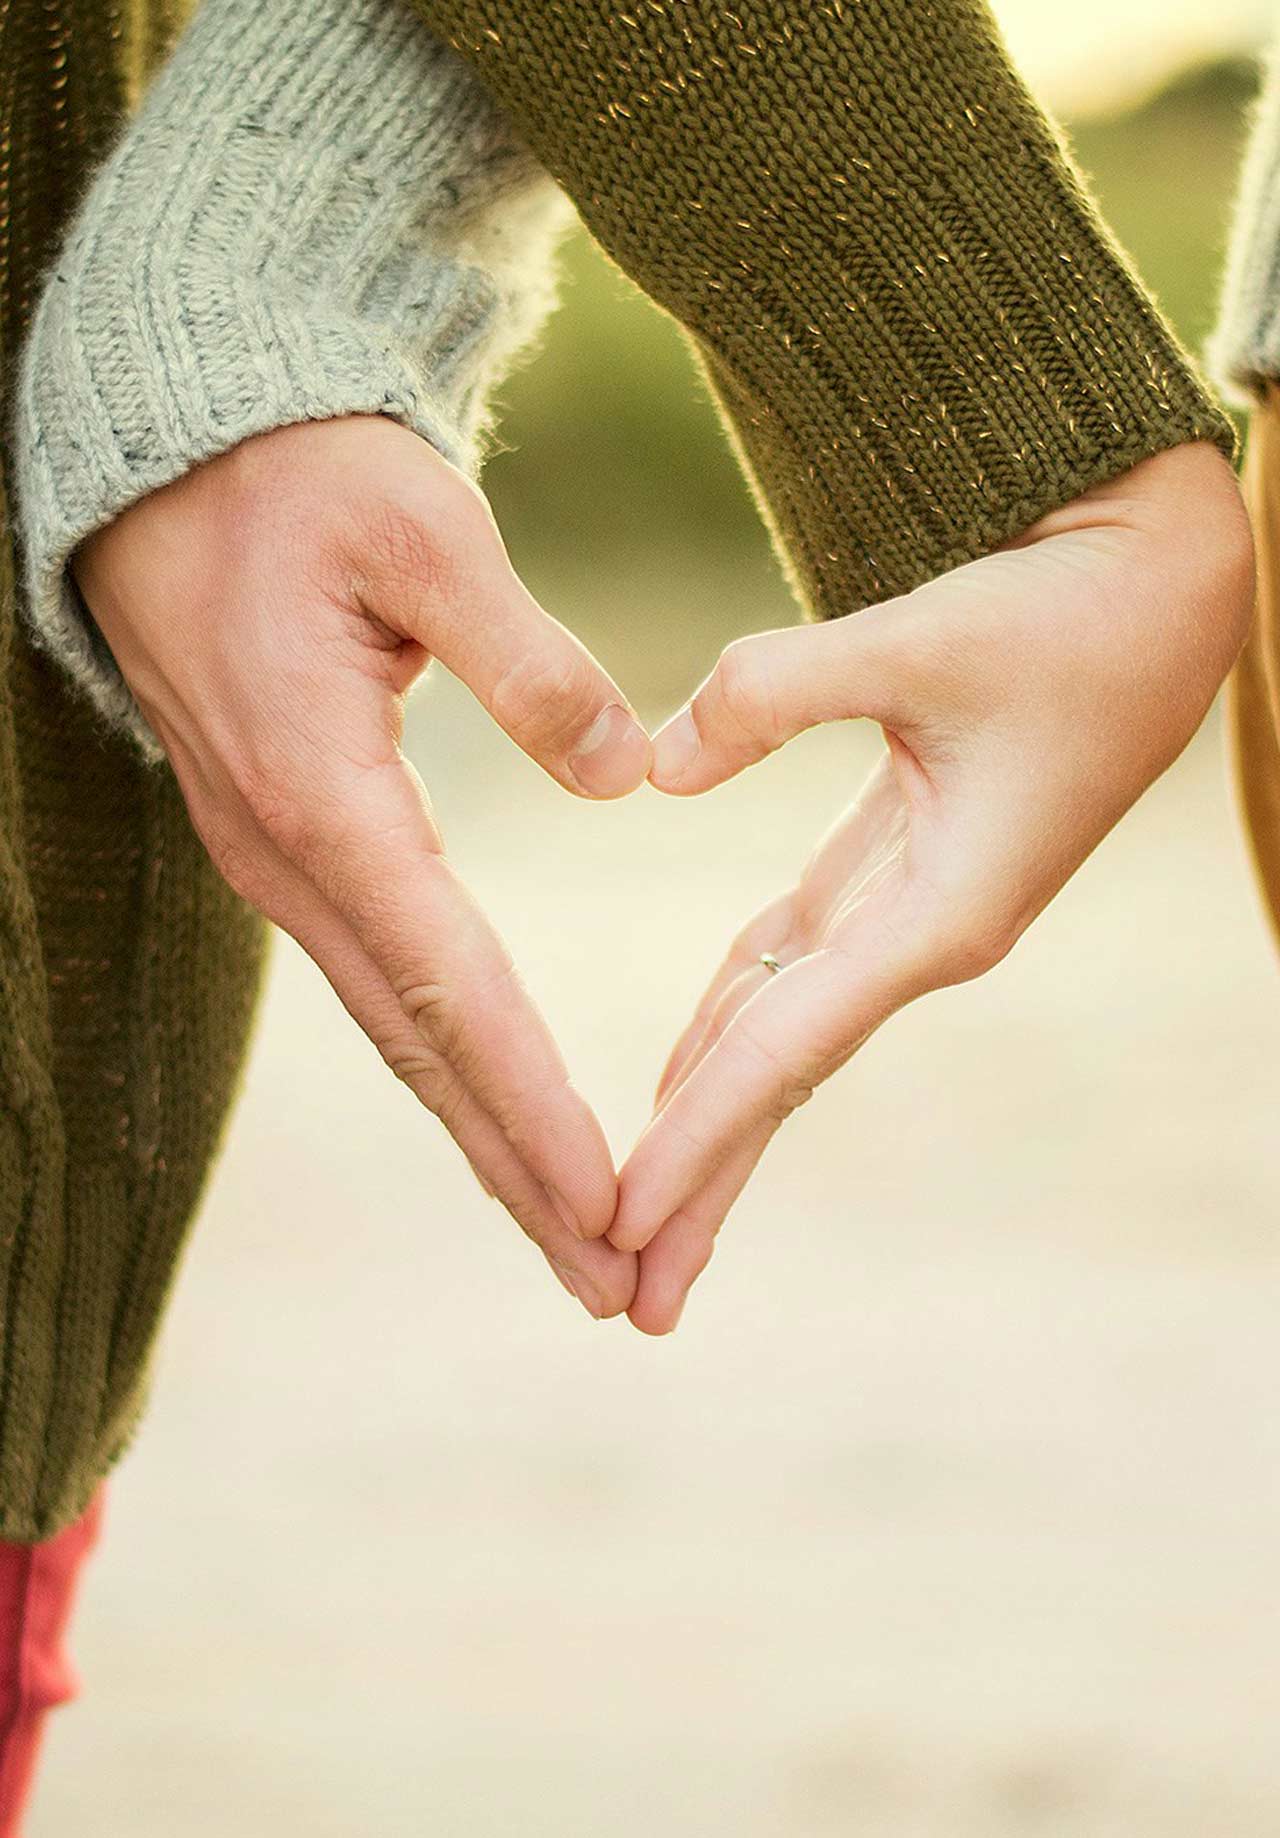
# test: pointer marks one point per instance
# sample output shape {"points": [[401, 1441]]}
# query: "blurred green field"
{"points": [[617, 493]]}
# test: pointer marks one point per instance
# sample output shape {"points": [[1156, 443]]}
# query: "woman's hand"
{"points": [[1027, 700], [270, 611]]}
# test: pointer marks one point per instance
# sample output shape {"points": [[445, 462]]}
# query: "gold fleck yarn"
{"points": [[127, 968], [921, 335], [396, 263]]}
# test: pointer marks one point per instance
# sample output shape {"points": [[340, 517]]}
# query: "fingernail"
{"points": [[566, 1212], [676, 748], [613, 755], [580, 1288]]}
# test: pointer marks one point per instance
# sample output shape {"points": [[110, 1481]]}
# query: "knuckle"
{"points": [[432, 537], [544, 698], [770, 930], [403, 546], [470, 513], [742, 691], [432, 1009], [744, 952], [793, 1094], [283, 817], [788, 1087], [975, 943], [426, 1077]]}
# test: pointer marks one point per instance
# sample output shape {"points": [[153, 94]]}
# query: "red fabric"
{"points": [[37, 1588]]}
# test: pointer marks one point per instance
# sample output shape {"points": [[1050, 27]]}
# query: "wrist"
{"points": [[1182, 512], [244, 263]]}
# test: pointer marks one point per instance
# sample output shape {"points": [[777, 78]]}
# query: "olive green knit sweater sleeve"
{"points": [[922, 335], [318, 211]]}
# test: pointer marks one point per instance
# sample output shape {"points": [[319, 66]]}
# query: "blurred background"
{"points": [[952, 1510]]}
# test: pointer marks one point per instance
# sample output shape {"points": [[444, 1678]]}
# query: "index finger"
{"points": [[793, 1033], [378, 860]]}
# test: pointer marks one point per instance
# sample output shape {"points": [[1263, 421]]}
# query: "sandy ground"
{"points": [[952, 1510]]}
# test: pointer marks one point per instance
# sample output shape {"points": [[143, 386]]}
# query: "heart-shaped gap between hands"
{"points": [[270, 610]]}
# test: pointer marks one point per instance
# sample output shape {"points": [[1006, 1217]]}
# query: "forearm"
{"points": [[922, 336], [319, 211]]}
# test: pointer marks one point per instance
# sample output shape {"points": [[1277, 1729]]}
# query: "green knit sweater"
{"points": [[318, 211], [921, 334], [127, 969], [922, 338]]}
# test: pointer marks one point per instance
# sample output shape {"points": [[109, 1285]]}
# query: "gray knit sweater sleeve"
{"points": [[1244, 351], [318, 211]]}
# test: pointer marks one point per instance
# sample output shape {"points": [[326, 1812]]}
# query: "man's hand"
{"points": [[1027, 700], [270, 611]]}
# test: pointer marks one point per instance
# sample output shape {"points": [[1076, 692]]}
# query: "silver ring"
{"points": [[770, 962]]}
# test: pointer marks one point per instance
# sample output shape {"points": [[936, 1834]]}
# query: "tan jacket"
{"points": [[1254, 691], [1245, 353]]}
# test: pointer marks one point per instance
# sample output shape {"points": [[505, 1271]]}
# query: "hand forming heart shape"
{"points": [[270, 611], [1027, 700]]}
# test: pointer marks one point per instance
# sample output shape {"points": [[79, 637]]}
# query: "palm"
{"points": [[270, 611], [1027, 700], [859, 876]]}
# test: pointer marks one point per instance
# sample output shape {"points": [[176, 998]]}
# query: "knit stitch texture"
{"points": [[319, 212], [128, 969], [921, 334]]}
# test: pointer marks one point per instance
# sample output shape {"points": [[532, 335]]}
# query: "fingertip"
{"points": [[614, 756], [676, 747], [629, 1231], [591, 1213], [632, 1235], [602, 1279], [645, 1198], [617, 1281], [612, 1310], [653, 1323], [656, 1317], [703, 770], [684, 790], [569, 1153]]}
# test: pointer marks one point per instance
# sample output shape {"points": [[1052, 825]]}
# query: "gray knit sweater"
{"points": [[1244, 351], [318, 212]]}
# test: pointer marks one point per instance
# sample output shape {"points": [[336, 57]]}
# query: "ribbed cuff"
{"points": [[922, 334], [318, 212], [1244, 351]]}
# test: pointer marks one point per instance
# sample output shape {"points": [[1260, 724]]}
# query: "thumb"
{"points": [[768, 688], [545, 689], [450, 585]]}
